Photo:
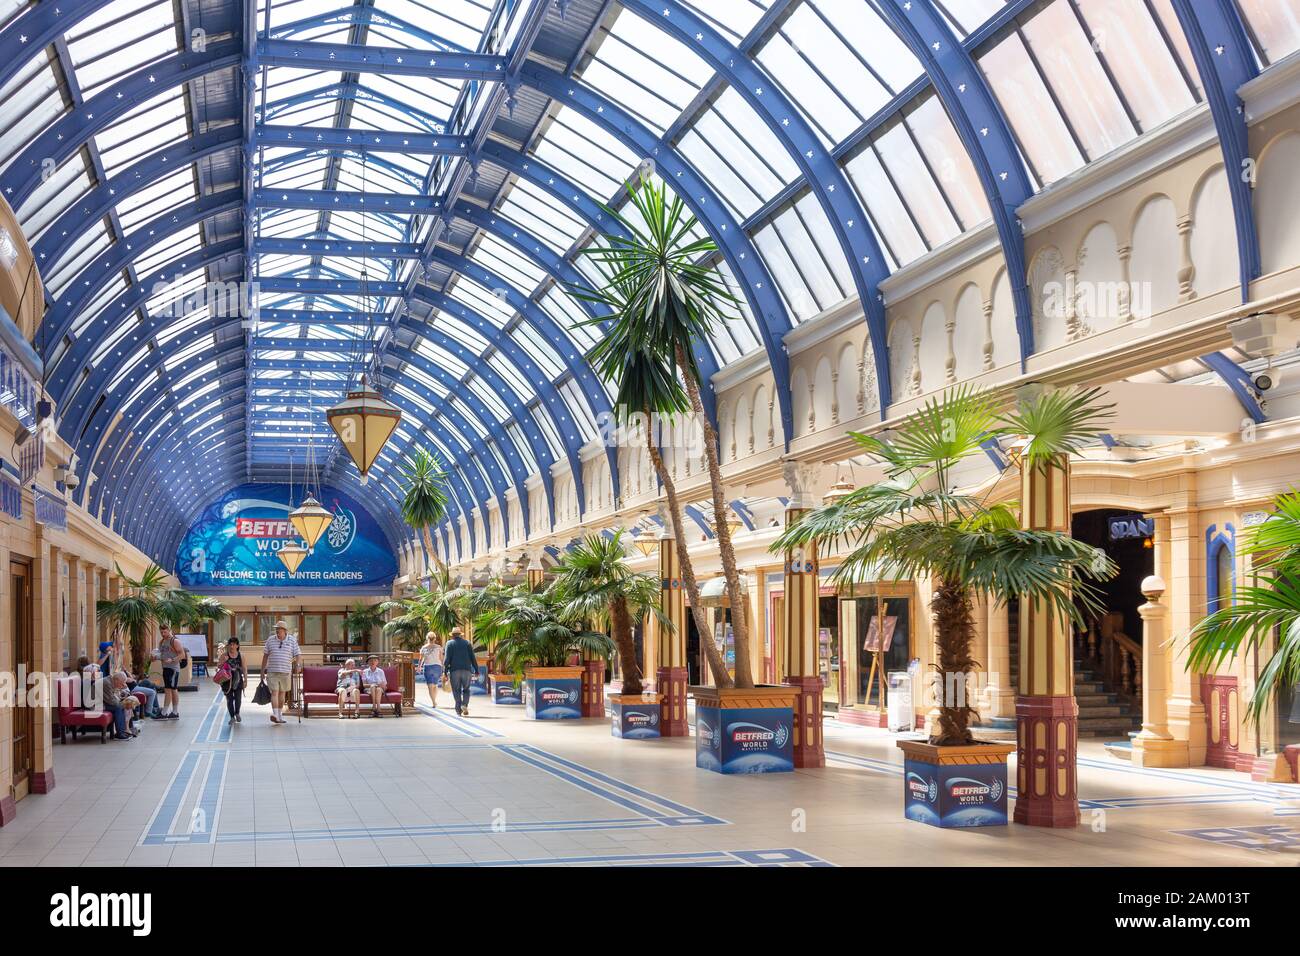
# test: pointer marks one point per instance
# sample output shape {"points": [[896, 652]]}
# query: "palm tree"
{"points": [[595, 584], [664, 296], [536, 628], [437, 608], [147, 602], [424, 502], [363, 618], [915, 524], [1259, 612]]}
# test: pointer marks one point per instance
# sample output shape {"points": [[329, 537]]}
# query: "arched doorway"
{"points": [[1108, 651]]}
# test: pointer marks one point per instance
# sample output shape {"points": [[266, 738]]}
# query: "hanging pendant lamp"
{"points": [[364, 421], [292, 555], [310, 520]]}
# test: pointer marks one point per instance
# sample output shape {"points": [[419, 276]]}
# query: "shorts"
{"points": [[171, 677], [282, 682], [433, 673]]}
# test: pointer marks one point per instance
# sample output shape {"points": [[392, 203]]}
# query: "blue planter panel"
{"points": [[744, 739], [551, 698], [634, 721], [955, 795]]}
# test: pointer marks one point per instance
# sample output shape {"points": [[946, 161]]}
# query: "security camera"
{"points": [[71, 481], [1263, 381]]}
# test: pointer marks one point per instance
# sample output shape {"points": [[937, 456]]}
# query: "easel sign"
{"points": [[879, 641]]}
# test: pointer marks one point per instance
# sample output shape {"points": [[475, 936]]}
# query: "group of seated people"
{"points": [[127, 697], [352, 681]]}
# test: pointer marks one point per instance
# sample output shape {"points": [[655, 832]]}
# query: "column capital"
{"points": [[801, 478]]}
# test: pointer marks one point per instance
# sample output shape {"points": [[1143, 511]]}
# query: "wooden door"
{"points": [[20, 580]]}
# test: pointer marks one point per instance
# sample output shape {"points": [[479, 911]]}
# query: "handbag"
{"points": [[262, 695], [221, 674]]}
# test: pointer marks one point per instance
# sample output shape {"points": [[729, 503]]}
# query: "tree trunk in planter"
{"points": [[717, 665], [629, 666], [954, 630], [739, 623]]}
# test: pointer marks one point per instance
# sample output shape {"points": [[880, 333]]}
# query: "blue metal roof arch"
{"points": [[361, 15], [392, 61], [65, 374], [35, 28], [63, 314], [72, 130], [746, 264], [63, 233], [288, 160], [982, 126], [1225, 60], [844, 212]]}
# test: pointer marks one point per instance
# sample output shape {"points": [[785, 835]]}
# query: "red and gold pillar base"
{"points": [[593, 688], [1047, 747], [671, 683], [808, 748]]}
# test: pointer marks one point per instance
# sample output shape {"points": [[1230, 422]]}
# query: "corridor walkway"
{"points": [[431, 788]]}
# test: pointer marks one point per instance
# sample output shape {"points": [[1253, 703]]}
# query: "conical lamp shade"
{"points": [[310, 520], [291, 556], [364, 422]]}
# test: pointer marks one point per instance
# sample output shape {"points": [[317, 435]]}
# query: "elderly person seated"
{"points": [[99, 694], [349, 687], [375, 682]]}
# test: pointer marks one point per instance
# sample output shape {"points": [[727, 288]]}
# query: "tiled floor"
{"points": [[432, 788]]}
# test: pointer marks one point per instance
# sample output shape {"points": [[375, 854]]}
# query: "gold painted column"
{"points": [[1047, 715], [802, 586], [980, 654], [1186, 581], [45, 606], [1001, 692], [672, 674], [75, 639], [1155, 746]]}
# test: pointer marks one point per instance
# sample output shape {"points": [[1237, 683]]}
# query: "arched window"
{"points": [[1220, 567]]}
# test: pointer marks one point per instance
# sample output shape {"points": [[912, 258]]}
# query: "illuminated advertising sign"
{"points": [[236, 540], [553, 698], [744, 740], [639, 721], [955, 795]]}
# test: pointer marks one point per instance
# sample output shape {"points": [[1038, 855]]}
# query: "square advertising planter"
{"points": [[635, 716], [744, 731], [954, 787], [506, 690], [478, 686], [553, 693]]}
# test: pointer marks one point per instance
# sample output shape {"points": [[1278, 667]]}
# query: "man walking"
{"points": [[462, 666], [280, 661]]}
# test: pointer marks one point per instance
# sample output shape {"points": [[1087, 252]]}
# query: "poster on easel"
{"points": [[879, 642]]}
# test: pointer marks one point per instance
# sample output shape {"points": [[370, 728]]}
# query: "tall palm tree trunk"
{"points": [[954, 630], [621, 620], [717, 665], [739, 615]]}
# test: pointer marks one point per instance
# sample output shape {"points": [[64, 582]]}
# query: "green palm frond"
{"points": [[1058, 422], [424, 493]]}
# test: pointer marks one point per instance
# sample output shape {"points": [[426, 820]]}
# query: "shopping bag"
{"points": [[263, 693], [221, 674]]}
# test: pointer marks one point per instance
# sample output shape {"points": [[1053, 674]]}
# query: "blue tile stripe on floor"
{"points": [[462, 725], [703, 858]]}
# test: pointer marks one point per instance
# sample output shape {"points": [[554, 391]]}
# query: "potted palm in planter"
{"points": [[919, 525], [595, 584], [146, 602], [1263, 616], [532, 636], [663, 297]]}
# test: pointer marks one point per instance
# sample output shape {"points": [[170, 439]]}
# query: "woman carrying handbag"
{"points": [[232, 677]]}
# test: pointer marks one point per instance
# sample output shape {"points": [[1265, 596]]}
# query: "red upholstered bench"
{"points": [[75, 718], [320, 686]]}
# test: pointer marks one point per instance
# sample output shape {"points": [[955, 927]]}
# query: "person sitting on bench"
{"points": [[374, 682], [349, 696]]}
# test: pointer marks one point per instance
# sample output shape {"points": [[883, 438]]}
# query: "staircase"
{"points": [[1102, 714]]}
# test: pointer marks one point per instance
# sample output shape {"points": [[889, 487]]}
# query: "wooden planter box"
{"points": [[505, 689], [744, 731], [635, 716], [954, 787], [553, 693]]}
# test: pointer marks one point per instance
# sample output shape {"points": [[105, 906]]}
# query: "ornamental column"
{"points": [[1155, 746], [8, 805], [1047, 715], [671, 675], [802, 584], [45, 607], [536, 571], [1186, 581]]}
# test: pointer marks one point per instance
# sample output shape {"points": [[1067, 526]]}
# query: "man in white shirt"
{"points": [[374, 681], [280, 660]]}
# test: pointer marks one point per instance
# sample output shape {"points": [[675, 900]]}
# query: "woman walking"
{"points": [[233, 687], [431, 658]]}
